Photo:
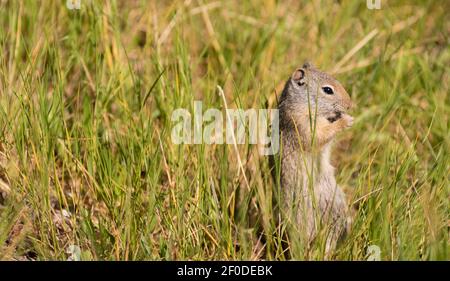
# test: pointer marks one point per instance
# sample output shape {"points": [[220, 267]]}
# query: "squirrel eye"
{"points": [[328, 90]]}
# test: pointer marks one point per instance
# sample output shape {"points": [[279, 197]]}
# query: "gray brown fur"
{"points": [[311, 196]]}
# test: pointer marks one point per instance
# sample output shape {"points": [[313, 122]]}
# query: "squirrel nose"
{"points": [[349, 105]]}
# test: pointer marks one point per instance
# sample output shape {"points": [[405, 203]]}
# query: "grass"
{"points": [[86, 97]]}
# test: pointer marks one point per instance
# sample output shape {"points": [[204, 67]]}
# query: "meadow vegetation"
{"points": [[86, 97]]}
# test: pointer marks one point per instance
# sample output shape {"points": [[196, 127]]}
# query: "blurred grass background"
{"points": [[86, 97]]}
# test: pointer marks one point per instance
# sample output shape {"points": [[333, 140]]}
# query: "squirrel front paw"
{"points": [[344, 118], [347, 119], [341, 120]]}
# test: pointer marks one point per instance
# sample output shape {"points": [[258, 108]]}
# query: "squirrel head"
{"points": [[311, 87]]}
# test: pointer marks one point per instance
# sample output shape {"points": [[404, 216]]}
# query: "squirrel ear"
{"points": [[299, 76], [307, 65]]}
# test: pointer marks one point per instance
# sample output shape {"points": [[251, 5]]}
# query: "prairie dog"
{"points": [[313, 109]]}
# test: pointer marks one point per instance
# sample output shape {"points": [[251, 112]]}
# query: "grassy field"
{"points": [[86, 97]]}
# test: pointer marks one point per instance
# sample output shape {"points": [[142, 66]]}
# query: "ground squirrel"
{"points": [[312, 111]]}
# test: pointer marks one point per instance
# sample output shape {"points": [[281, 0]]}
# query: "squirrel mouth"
{"points": [[337, 115]]}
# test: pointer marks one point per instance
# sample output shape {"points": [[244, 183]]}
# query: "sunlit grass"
{"points": [[86, 156]]}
